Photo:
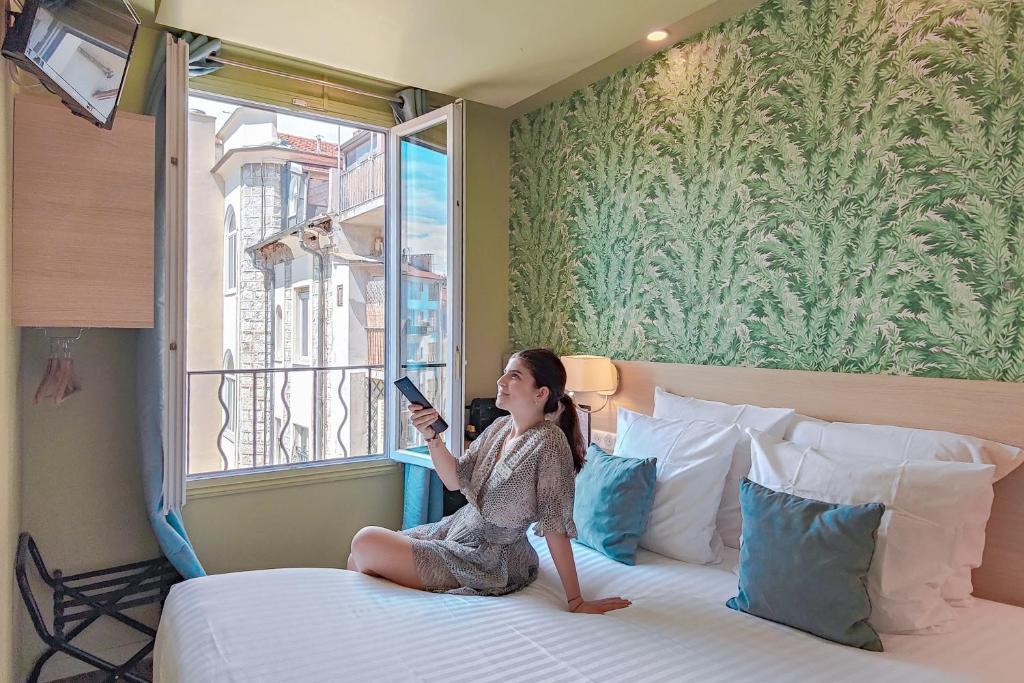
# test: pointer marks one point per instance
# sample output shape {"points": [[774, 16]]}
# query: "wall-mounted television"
{"points": [[78, 49]]}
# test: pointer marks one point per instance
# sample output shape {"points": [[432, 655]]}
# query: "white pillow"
{"points": [[925, 501], [675, 407], [693, 458], [904, 443], [768, 420], [802, 424]]}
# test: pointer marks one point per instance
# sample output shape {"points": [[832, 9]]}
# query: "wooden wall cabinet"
{"points": [[83, 218]]}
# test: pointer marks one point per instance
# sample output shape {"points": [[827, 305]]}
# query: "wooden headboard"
{"points": [[992, 410]]}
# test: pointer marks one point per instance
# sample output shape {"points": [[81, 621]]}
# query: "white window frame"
{"points": [[175, 417], [453, 411]]}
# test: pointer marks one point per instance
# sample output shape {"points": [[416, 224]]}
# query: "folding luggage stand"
{"points": [[86, 597]]}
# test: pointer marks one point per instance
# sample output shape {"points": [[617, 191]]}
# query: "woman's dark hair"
{"points": [[548, 371]]}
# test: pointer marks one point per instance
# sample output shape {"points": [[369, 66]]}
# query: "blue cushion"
{"points": [[613, 502], [805, 563]]}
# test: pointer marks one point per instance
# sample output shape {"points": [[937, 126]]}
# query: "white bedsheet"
{"points": [[333, 625]]}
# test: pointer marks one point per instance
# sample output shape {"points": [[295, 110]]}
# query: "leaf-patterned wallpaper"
{"points": [[819, 184]]}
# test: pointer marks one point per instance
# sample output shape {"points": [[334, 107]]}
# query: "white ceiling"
{"points": [[498, 53]]}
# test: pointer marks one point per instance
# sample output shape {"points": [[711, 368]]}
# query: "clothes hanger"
{"points": [[59, 379]]}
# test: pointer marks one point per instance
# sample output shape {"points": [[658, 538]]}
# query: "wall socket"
{"points": [[604, 440]]}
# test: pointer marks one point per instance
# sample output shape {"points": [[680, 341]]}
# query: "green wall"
{"points": [[825, 185]]}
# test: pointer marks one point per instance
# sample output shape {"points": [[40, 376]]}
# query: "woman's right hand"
{"points": [[422, 418], [601, 606]]}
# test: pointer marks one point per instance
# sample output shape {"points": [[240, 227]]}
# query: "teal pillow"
{"points": [[613, 502], [805, 564]]}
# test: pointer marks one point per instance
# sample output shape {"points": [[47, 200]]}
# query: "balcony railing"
{"points": [[263, 417], [363, 182]]}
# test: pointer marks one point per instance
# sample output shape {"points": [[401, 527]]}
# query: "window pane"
{"points": [[302, 323], [277, 436], [229, 401], [423, 230], [306, 369], [278, 333], [317, 195], [231, 267], [230, 250], [301, 444], [296, 194]]}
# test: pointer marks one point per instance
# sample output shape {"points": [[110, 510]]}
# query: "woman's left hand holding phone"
{"points": [[422, 418], [444, 461]]}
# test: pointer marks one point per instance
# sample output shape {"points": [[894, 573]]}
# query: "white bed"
{"points": [[334, 625]]}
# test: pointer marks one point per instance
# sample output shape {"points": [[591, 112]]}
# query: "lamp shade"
{"points": [[590, 373]]}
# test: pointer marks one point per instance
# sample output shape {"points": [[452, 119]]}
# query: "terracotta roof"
{"points": [[308, 145], [417, 272]]}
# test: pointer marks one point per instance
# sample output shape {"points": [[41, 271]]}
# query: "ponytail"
{"points": [[569, 421], [548, 371]]}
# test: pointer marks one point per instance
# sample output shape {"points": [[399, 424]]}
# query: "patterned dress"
{"points": [[482, 548]]}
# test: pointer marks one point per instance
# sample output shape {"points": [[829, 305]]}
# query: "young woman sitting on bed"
{"points": [[520, 470]]}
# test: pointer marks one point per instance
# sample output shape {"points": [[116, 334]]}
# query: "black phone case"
{"points": [[414, 395]]}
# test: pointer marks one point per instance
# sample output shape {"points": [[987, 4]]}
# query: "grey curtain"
{"points": [[152, 343], [413, 104]]}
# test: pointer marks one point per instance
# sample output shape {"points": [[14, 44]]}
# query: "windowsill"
{"points": [[414, 456], [230, 292], [215, 484]]}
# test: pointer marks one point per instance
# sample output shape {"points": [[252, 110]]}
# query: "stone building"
{"points": [[286, 361]]}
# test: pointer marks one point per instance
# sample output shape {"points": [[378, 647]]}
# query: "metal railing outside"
{"points": [[268, 403]]}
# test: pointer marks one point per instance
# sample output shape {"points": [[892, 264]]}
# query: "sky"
{"points": [[286, 123], [426, 208]]}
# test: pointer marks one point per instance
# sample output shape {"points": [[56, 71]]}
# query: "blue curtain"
{"points": [[424, 496], [152, 343]]}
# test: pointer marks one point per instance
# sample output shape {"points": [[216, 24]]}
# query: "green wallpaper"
{"points": [[821, 185]]}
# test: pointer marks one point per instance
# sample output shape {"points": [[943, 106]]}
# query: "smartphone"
{"points": [[414, 395]]}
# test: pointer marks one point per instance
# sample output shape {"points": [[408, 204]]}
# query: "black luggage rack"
{"points": [[81, 599]]}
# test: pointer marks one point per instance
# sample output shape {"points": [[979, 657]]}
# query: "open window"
{"points": [[424, 274]]}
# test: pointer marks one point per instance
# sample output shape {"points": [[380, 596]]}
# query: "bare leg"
{"points": [[381, 552], [352, 566]]}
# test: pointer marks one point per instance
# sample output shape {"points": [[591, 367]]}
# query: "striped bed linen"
{"points": [[335, 625]]}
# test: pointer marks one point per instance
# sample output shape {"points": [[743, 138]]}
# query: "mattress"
{"points": [[335, 625]]}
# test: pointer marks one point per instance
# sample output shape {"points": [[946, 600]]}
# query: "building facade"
{"points": [[286, 356]]}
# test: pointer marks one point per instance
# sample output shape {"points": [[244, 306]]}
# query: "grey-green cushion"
{"points": [[804, 563], [613, 502]]}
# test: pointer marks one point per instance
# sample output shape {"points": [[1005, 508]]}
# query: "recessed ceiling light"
{"points": [[656, 35]]}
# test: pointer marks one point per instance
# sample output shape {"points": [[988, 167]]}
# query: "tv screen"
{"points": [[78, 49]]}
